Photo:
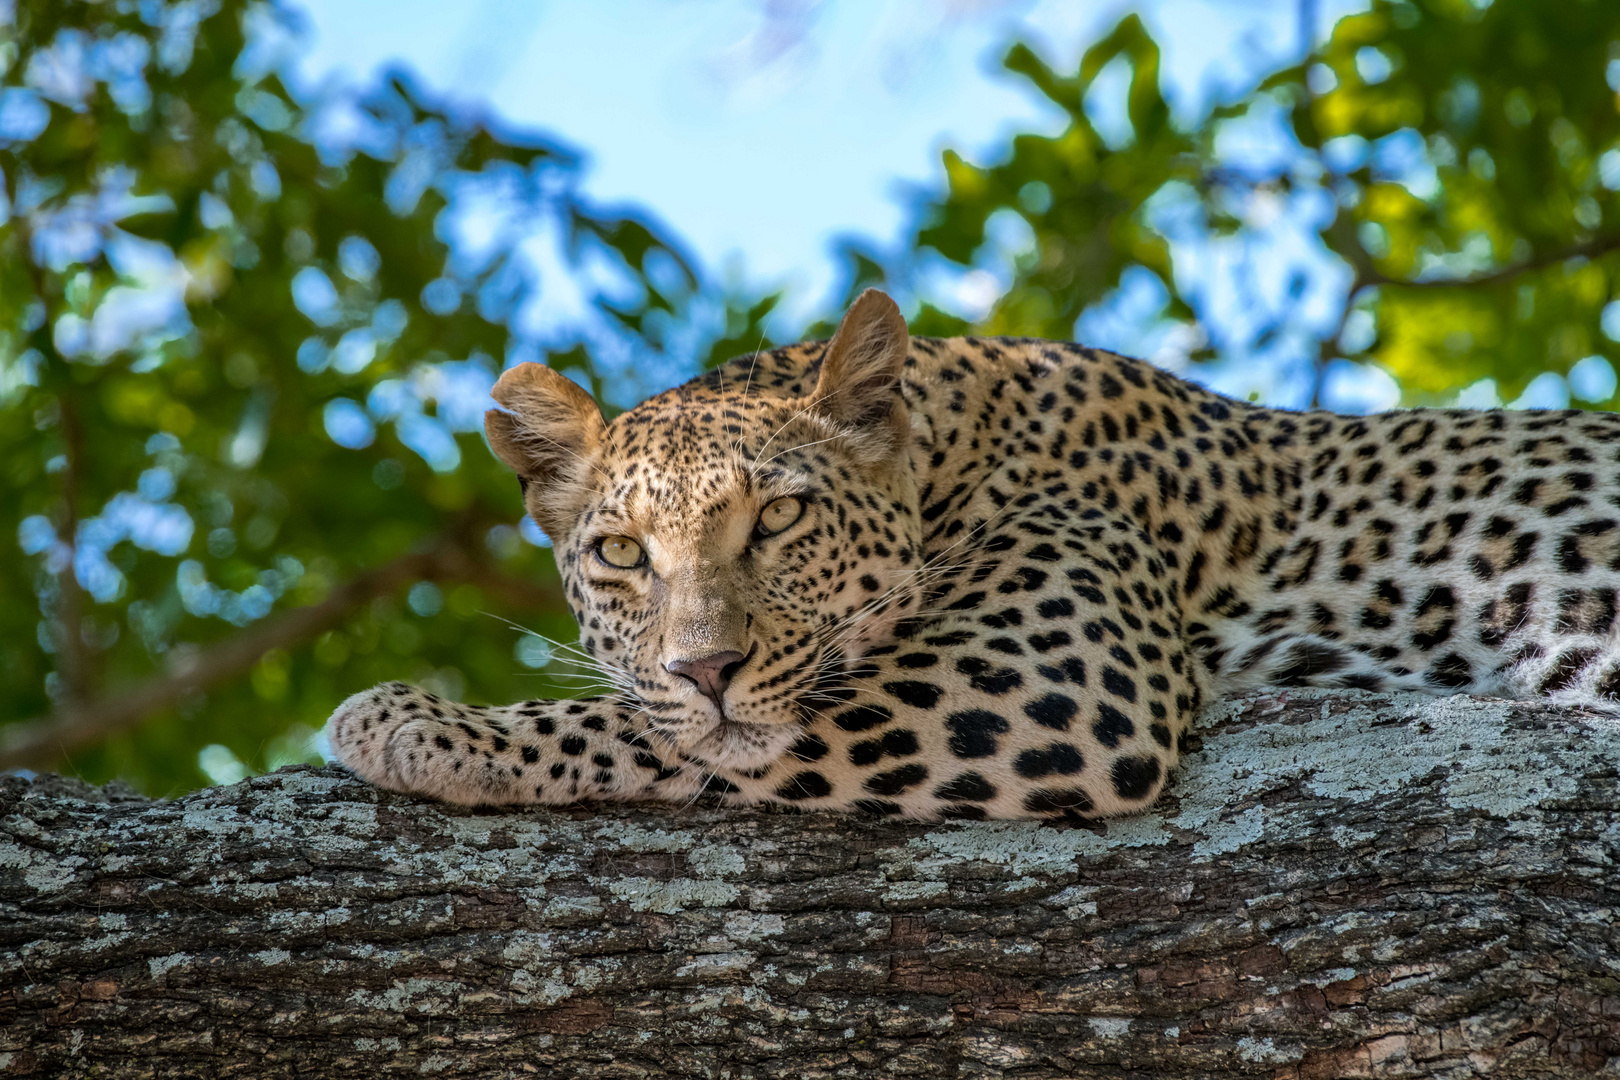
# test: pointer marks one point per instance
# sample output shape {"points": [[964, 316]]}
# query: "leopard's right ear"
{"points": [[548, 437]]}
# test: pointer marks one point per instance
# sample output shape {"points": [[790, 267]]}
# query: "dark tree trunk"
{"points": [[1338, 886]]}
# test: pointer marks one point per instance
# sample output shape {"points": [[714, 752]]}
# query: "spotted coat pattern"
{"points": [[1020, 568]]}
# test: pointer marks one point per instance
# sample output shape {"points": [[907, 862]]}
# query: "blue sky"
{"points": [[759, 139]]}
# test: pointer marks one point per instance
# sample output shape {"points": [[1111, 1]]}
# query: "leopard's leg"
{"points": [[554, 752]]}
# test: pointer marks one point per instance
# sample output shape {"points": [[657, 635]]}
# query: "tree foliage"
{"points": [[1448, 171]]}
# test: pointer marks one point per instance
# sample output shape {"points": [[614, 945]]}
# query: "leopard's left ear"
{"points": [[859, 385]]}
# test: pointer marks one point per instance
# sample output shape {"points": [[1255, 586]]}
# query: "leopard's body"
{"points": [[1019, 568]]}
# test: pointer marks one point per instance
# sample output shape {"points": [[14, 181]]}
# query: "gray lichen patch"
{"points": [[1356, 749], [669, 897]]}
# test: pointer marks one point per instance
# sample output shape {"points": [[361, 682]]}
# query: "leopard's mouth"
{"points": [[716, 734], [742, 745]]}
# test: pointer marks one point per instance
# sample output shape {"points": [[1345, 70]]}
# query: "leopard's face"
{"points": [[732, 554], [727, 552]]}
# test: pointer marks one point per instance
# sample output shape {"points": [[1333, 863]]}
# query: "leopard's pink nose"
{"points": [[710, 674]]}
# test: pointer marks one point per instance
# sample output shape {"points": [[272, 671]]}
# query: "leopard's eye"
{"points": [[779, 514], [620, 551]]}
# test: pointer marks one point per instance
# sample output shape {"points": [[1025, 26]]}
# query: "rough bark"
{"points": [[1349, 885]]}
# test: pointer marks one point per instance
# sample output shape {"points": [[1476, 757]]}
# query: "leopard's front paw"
{"points": [[378, 734], [407, 740], [359, 731]]}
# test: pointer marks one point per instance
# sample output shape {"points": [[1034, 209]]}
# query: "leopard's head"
{"points": [[727, 548]]}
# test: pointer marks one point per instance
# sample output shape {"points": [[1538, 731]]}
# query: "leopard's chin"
{"points": [[743, 746]]}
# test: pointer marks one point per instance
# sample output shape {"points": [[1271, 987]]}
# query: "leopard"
{"points": [[997, 578]]}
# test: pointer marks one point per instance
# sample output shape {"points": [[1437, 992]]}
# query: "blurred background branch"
{"points": [[249, 321], [85, 720], [1594, 248]]}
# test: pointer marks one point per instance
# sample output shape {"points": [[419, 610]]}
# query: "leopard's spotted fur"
{"points": [[1020, 567]]}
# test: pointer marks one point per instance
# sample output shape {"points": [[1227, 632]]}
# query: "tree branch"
{"points": [[1590, 249], [1336, 885], [1368, 277], [42, 742], [75, 662]]}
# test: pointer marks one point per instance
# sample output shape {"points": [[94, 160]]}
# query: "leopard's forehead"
{"points": [[721, 409], [697, 451], [681, 460]]}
